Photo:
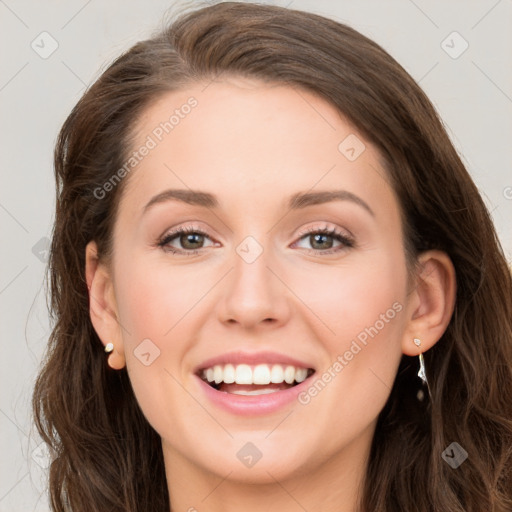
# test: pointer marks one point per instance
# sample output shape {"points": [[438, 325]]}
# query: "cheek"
{"points": [[360, 308], [346, 299], [153, 297], [153, 301], [157, 304]]}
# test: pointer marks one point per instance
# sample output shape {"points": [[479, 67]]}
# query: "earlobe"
{"points": [[102, 305], [432, 301]]}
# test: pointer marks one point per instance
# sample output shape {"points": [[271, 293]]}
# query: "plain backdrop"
{"points": [[460, 52]]}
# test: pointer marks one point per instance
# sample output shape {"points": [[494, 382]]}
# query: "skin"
{"points": [[291, 299]]}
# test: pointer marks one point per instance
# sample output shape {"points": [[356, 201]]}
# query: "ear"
{"points": [[431, 302], [102, 305]]}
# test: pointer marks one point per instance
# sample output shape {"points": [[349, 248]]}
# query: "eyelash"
{"points": [[348, 242]]}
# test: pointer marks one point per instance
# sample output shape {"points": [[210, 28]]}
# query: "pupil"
{"points": [[318, 237], [191, 238]]}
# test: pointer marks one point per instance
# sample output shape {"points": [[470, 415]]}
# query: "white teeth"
{"points": [[229, 374], [289, 374], [218, 374], [277, 374], [301, 374], [260, 374], [243, 374]]}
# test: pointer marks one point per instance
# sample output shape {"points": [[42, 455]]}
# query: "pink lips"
{"points": [[250, 405]]}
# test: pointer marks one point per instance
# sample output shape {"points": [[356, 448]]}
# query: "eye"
{"points": [[322, 240], [190, 238]]}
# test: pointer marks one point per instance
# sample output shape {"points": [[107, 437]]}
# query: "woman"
{"points": [[262, 221]]}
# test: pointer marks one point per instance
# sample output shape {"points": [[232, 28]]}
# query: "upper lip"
{"points": [[252, 358]]}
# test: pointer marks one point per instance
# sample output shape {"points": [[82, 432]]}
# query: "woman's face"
{"points": [[255, 173]]}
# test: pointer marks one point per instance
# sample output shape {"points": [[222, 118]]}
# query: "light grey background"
{"points": [[472, 92]]}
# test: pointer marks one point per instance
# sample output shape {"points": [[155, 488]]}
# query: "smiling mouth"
{"points": [[244, 379]]}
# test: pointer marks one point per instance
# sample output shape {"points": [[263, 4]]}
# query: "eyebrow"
{"points": [[297, 201], [193, 197], [304, 199]]}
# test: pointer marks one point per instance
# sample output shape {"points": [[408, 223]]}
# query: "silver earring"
{"points": [[109, 347], [421, 373]]}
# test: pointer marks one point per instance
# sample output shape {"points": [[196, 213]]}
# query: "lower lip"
{"points": [[250, 405]]}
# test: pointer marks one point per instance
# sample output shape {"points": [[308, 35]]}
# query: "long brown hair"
{"points": [[105, 455]]}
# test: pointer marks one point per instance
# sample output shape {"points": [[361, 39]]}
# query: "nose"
{"points": [[254, 292]]}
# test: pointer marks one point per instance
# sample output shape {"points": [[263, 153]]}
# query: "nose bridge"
{"points": [[254, 293]]}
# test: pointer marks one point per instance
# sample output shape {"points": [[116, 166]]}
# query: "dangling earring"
{"points": [[421, 373], [109, 347]]}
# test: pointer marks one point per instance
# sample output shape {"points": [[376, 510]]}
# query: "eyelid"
{"points": [[327, 227], [184, 227]]}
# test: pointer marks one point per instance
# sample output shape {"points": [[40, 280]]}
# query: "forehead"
{"points": [[252, 142]]}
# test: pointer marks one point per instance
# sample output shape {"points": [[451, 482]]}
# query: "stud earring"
{"points": [[421, 373], [109, 347]]}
